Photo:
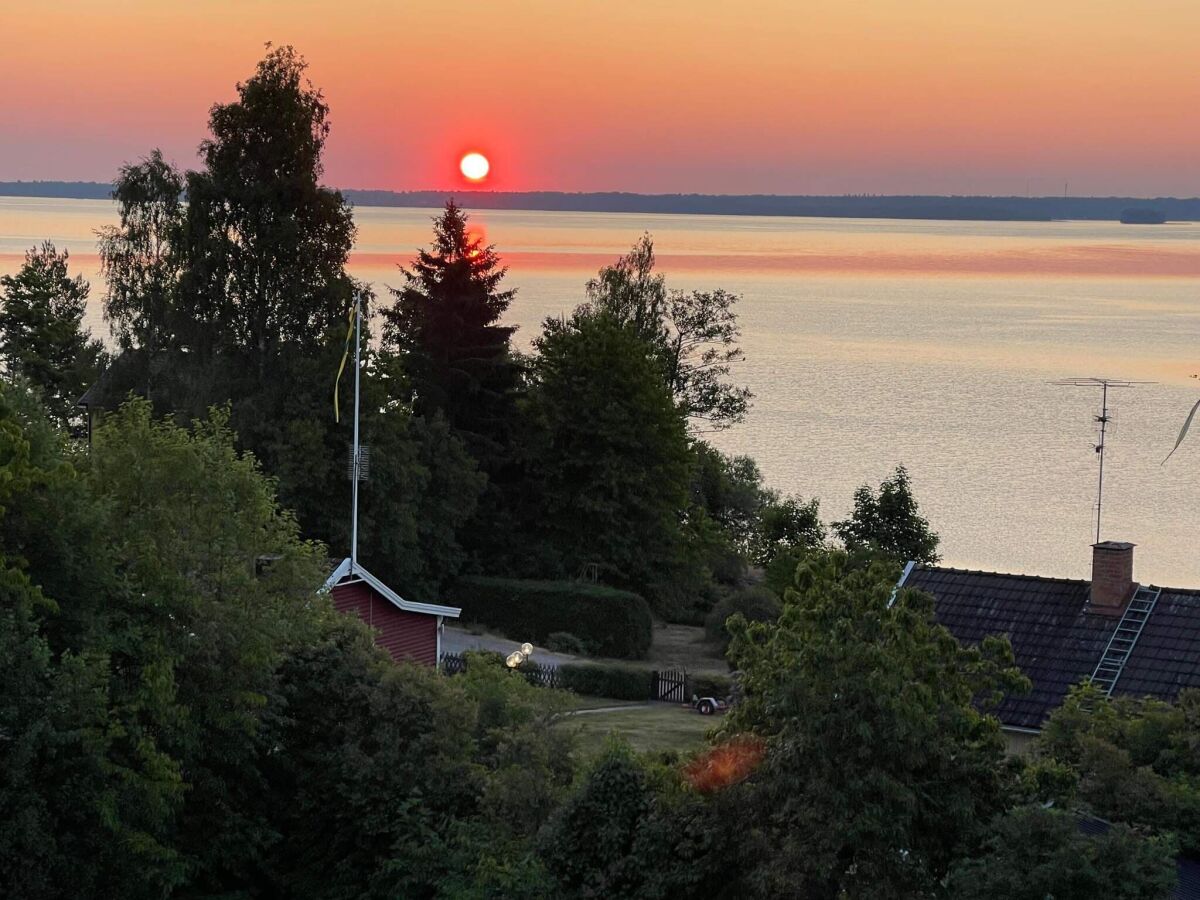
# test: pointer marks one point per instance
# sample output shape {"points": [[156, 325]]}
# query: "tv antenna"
{"points": [[1102, 420]]}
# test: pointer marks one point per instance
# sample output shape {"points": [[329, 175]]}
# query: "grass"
{"points": [[676, 646], [649, 728], [578, 702]]}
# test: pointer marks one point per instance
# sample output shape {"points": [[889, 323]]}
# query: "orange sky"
{"points": [[777, 96]]}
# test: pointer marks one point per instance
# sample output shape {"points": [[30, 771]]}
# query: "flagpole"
{"points": [[354, 468]]}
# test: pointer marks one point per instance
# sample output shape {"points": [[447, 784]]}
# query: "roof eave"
{"points": [[361, 574]]}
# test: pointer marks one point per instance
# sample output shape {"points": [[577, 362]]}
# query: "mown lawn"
{"points": [[649, 728]]}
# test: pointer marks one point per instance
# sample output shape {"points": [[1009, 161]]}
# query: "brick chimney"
{"points": [[1112, 577]]}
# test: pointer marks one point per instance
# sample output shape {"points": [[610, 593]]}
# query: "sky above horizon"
{"points": [[1092, 97]]}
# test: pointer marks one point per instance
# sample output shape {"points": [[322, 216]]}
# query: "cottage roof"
{"points": [[1057, 640], [342, 575]]}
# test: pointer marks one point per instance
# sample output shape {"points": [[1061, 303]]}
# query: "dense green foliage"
{"points": [[621, 834], [1035, 853], [612, 622], [754, 604], [612, 466], [879, 767], [142, 259], [180, 720], [787, 525], [887, 521], [143, 557], [42, 338], [444, 323], [1128, 760]]}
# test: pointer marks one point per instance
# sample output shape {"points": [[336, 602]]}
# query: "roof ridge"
{"points": [[1053, 578], [1056, 579]]}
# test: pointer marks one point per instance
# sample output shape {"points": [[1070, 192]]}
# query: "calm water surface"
{"points": [[875, 342]]}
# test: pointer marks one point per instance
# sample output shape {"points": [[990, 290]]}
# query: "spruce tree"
{"points": [[42, 337], [442, 336], [444, 326]]}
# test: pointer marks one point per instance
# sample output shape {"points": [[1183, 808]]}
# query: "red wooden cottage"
{"points": [[406, 630]]}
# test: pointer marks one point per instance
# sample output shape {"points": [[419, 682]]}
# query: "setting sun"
{"points": [[474, 166]]}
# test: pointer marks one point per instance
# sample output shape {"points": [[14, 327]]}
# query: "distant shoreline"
{"points": [[960, 208]]}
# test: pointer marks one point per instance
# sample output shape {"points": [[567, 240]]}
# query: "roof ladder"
{"points": [[1120, 645]]}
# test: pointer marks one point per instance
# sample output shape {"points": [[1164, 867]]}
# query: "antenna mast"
{"points": [[1102, 420], [355, 454]]}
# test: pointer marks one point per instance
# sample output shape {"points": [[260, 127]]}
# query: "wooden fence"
{"points": [[535, 673]]}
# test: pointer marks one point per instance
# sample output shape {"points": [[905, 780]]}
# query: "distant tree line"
{"points": [[839, 206]]}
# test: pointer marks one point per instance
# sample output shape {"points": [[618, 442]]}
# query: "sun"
{"points": [[474, 166]]}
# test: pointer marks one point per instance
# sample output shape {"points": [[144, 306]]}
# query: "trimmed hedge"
{"points": [[719, 686], [598, 680], [615, 623]]}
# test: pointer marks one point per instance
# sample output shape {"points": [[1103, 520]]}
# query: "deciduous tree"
{"points": [[888, 521], [611, 464], [879, 766], [265, 242], [693, 336], [1035, 853]]}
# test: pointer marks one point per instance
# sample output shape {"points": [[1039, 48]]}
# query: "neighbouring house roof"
{"points": [[1057, 641], [342, 575], [1187, 884]]}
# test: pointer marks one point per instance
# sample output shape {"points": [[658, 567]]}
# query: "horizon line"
{"points": [[653, 194]]}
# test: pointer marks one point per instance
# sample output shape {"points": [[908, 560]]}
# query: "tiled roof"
{"points": [[1187, 884], [1057, 642], [1166, 657]]}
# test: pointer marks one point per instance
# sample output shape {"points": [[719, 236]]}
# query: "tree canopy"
{"points": [[879, 766], [887, 521], [42, 336], [598, 407], [444, 324], [241, 298], [693, 336]]}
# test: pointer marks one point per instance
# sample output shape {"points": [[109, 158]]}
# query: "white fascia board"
{"points": [[899, 584], [361, 574]]}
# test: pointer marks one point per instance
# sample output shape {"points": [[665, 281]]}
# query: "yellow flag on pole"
{"points": [[345, 356]]}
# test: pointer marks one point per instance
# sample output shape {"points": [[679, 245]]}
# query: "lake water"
{"points": [[875, 342]]}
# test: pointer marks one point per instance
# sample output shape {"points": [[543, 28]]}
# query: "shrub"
{"points": [[719, 686], [598, 680], [757, 604], [565, 642], [615, 623]]}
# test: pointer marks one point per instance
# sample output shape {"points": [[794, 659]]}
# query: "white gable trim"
{"points": [[912, 563], [360, 574]]}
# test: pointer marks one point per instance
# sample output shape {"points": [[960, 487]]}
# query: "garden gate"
{"points": [[671, 685]]}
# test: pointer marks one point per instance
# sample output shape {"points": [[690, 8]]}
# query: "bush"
{"points": [[757, 604], [598, 680], [615, 623], [719, 686], [565, 642]]}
